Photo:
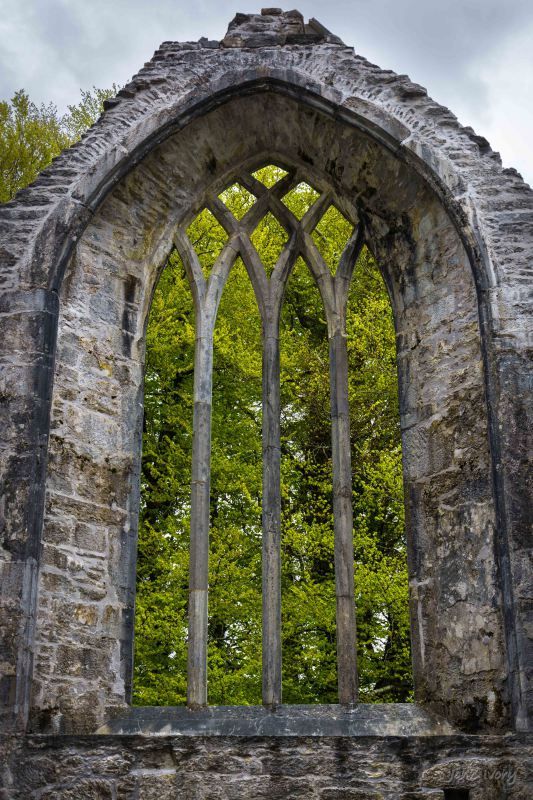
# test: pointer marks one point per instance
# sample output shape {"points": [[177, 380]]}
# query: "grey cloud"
{"points": [[54, 47]]}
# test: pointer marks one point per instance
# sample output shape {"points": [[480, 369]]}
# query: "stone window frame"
{"points": [[269, 293], [478, 217]]}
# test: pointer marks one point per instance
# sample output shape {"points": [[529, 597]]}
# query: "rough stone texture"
{"points": [[80, 252], [362, 719], [264, 768], [84, 612]]}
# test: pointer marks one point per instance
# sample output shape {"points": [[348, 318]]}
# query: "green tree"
{"points": [[308, 586], [32, 136], [85, 113]]}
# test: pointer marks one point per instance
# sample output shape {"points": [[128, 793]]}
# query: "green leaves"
{"points": [[269, 175], [300, 199], [308, 581], [237, 199], [269, 238], [31, 136], [208, 238], [331, 236], [83, 114]]}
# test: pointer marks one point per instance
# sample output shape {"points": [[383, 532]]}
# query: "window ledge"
{"points": [[364, 719]]}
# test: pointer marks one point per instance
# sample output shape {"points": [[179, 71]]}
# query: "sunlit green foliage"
{"points": [[269, 175], [300, 199], [82, 115], [30, 137], [208, 238], [269, 239], [162, 566], [237, 199], [308, 590], [331, 236]]}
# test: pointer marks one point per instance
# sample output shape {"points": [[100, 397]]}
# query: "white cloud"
{"points": [[508, 117]]}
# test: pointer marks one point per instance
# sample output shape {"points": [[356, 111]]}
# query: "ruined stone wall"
{"points": [[265, 768], [453, 233], [84, 617]]}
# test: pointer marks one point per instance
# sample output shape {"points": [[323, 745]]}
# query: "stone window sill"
{"points": [[363, 719]]}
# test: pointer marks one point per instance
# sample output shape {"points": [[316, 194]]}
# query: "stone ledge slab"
{"points": [[394, 719]]}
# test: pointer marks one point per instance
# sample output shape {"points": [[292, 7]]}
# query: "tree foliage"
{"points": [[83, 114], [308, 587], [31, 136]]}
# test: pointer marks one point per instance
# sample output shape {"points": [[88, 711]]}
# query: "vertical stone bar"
{"points": [[200, 489], [271, 517], [343, 520]]}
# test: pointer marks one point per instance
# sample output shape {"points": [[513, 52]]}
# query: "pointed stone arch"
{"points": [[80, 252]]}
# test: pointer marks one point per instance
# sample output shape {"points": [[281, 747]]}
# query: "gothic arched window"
{"points": [[279, 199]]}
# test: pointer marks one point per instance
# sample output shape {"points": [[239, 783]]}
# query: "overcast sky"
{"points": [[474, 56]]}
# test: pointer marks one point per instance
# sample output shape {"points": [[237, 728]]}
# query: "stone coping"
{"points": [[363, 719]]}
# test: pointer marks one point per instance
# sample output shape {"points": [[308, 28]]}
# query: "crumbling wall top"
{"points": [[275, 27]]}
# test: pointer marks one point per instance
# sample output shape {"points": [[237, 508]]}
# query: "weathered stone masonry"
{"points": [[80, 253]]}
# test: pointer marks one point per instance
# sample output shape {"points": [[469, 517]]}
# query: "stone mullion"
{"points": [[254, 215], [348, 259], [200, 505], [314, 214], [207, 299], [342, 479], [230, 224], [270, 297], [279, 189], [256, 273], [283, 215], [271, 503], [192, 267], [272, 652], [343, 519], [271, 515], [222, 215], [334, 292], [323, 277]]}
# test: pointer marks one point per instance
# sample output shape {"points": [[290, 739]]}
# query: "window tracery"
{"points": [[281, 204]]}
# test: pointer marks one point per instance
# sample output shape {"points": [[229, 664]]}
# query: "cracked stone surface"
{"points": [[241, 768]]}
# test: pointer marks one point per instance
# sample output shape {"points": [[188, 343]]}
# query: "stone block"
{"points": [[149, 785], [343, 793], [84, 789]]}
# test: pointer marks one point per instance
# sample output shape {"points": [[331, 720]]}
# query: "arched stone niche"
{"points": [[82, 255]]}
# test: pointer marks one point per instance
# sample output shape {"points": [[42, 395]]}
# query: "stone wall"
{"points": [[261, 768], [82, 651], [80, 252]]}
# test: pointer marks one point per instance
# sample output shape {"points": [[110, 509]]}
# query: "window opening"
{"points": [[456, 794], [331, 236], [308, 576], [300, 199], [268, 244], [163, 550], [237, 199], [234, 610], [381, 581], [269, 175]]}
